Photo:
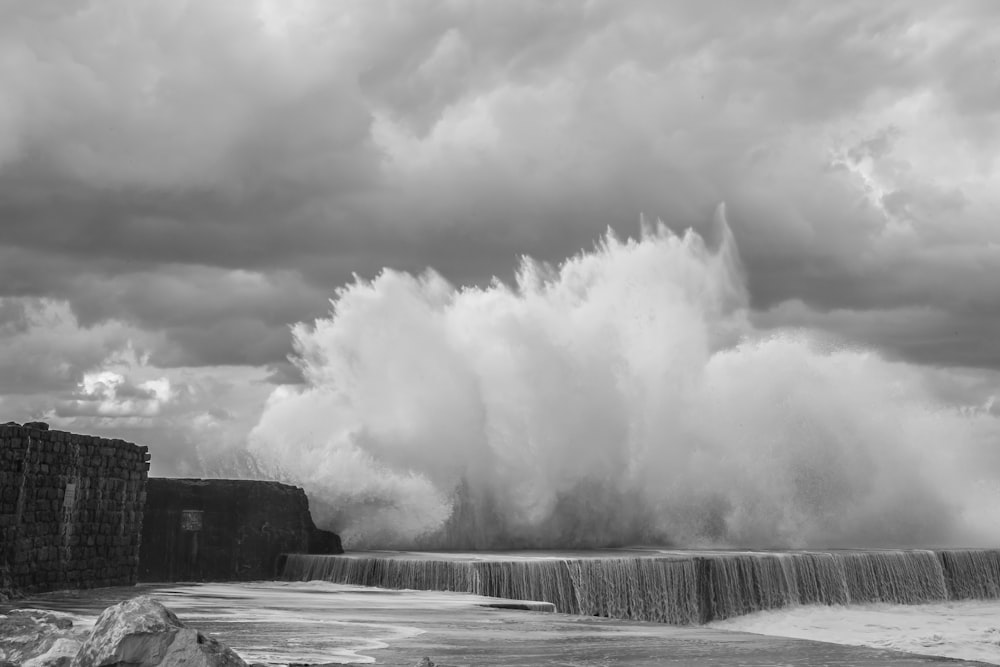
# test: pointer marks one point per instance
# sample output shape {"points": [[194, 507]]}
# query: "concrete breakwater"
{"points": [[675, 587]]}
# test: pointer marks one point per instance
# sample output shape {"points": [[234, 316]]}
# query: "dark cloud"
{"points": [[191, 178], [916, 334], [206, 315], [43, 350]]}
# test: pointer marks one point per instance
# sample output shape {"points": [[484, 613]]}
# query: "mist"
{"points": [[621, 397]]}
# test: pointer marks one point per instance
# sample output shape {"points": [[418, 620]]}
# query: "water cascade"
{"points": [[675, 587], [972, 573]]}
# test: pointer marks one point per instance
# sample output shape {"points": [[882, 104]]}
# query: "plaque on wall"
{"points": [[191, 520], [70, 496]]}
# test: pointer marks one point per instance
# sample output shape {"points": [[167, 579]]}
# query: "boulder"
{"points": [[141, 632], [37, 638]]}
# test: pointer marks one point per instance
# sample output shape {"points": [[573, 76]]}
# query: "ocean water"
{"points": [[279, 623], [319, 622], [967, 629], [896, 600]]}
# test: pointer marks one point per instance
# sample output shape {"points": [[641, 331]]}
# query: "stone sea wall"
{"points": [[71, 509], [225, 529]]}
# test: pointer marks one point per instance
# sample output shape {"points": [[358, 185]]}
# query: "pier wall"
{"points": [[225, 529], [71, 509]]}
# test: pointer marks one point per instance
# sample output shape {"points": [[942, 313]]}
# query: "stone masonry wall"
{"points": [[225, 529], [71, 509]]}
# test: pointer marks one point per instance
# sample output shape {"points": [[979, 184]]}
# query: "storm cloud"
{"points": [[186, 180]]}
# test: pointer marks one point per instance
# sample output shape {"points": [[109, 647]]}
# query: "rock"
{"points": [[141, 632], [61, 654], [7, 594], [41, 426], [425, 662], [37, 638]]}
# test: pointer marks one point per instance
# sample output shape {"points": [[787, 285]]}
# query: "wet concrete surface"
{"points": [[318, 622]]}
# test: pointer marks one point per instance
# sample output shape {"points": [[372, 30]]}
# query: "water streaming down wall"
{"points": [[677, 587], [972, 573]]}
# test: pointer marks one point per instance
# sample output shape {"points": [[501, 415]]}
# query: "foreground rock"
{"points": [[32, 638], [141, 632]]}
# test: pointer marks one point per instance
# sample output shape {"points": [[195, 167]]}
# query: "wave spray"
{"points": [[622, 397]]}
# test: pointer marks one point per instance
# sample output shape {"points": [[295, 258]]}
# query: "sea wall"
{"points": [[679, 587], [70, 509], [225, 530]]}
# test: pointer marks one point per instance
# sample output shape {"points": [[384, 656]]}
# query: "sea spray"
{"points": [[619, 397]]}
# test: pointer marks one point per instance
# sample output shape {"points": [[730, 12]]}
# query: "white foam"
{"points": [[968, 630], [619, 398]]}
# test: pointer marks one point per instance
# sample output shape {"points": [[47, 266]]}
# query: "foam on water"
{"points": [[967, 629], [282, 623], [621, 397]]}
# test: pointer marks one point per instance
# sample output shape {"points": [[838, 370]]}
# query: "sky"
{"points": [[181, 182]]}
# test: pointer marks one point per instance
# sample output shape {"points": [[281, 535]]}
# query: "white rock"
{"points": [[26, 634], [60, 654], [141, 632]]}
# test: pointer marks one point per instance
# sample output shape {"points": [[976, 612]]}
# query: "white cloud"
{"points": [[110, 391]]}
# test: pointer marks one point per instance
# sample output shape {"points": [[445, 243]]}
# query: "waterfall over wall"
{"points": [[676, 587]]}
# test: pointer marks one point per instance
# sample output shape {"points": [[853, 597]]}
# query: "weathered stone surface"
{"points": [[34, 638], [70, 509], [142, 632], [324, 542], [60, 654], [224, 530]]}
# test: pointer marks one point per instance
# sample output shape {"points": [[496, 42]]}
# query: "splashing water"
{"points": [[679, 587], [621, 397]]}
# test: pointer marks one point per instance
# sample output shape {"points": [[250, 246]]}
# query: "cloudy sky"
{"points": [[182, 181]]}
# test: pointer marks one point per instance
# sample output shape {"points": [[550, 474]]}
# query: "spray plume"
{"points": [[619, 398]]}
